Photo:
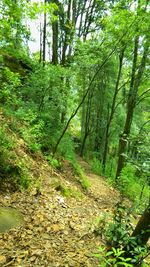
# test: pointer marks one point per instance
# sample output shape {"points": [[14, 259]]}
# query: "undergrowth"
{"points": [[13, 167], [66, 190], [131, 185], [81, 177], [121, 249], [134, 187]]}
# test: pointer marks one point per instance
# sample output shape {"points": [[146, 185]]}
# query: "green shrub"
{"points": [[110, 170], [96, 166], [121, 248], [10, 82], [23, 178], [66, 148], [83, 180], [66, 191], [113, 257], [131, 186], [55, 163], [11, 166]]}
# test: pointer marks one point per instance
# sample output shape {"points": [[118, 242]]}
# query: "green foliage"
{"points": [[96, 166], [12, 28], [11, 166], [22, 177], [35, 8], [132, 186], [7, 145], [55, 163], [83, 180], [66, 190], [117, 231], [9, 85], [110, 170], [113, 257], [67, 149]]}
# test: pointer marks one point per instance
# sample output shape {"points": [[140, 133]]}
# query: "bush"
{"points": [[55, 163], [66, 148], [96, 166], [11, 166], [122, 249], [113, 258], [131, 186], [83, 180]]}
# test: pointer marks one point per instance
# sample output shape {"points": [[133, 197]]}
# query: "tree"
{"points": [[113, 107], [134, 86], [12, 27], [142, 229]]}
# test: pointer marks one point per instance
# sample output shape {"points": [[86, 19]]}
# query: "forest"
{"points": [[75, 133]]}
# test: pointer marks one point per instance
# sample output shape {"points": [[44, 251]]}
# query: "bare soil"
{"points": [[57, 230]]}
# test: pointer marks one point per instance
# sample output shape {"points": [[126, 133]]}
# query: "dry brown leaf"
{"points": [[2, 259]]}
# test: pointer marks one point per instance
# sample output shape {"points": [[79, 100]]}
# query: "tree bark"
{"points": [[55, 35], [88, 89], [141, 234], [44, 37], [67, 34], [87, 123], [40, 59], [142, 229], [55, 42], [110, 117], [134, 86]]}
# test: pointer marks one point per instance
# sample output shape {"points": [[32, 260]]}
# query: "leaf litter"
{"points": [[57, 230]]}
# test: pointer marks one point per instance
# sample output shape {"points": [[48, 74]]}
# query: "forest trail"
{"points": [[57, 231], [100, 190]]}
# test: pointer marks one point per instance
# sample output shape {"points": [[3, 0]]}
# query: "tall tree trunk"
{"points": [[134, 85], [44, 37], [89, 18], [67, 34], [141, 233], [87, 122], [55, 42], [40, 59], [87, 91], [142, 229], [81, 19], [55, 33], [110, 117]]}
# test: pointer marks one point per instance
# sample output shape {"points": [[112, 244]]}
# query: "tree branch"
{"points": [[89, 86], [141, 96]]}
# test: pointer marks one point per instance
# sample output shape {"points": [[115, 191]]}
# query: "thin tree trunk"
{"points": [[55, 42], [88, 89], [67, 34], [142, 229], [83, 143], [134, 85], [81, 19], [141, 234], [44, 37], [110, 118], [87, 122], [40, 59], [55, 32], [88, 20]]}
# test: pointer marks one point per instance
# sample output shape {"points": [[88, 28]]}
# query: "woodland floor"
{"points": [[57, 230]]}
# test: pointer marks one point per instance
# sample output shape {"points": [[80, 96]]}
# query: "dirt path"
{"points": [[100, 190], [57, 231]]}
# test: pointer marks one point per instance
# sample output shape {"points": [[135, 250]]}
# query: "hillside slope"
{"points": [[58, 230]]}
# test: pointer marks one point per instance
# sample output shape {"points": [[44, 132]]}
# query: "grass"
{"points": [[83, 180], [66, 190]]}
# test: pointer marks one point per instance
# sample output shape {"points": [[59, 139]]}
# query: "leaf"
{"points": [[2, 259]]}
